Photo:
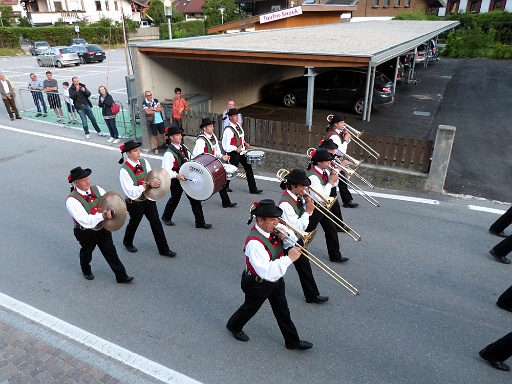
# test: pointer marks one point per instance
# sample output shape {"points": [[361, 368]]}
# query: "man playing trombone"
{"points": [[322, 182], [296, 212], [262, 279]]}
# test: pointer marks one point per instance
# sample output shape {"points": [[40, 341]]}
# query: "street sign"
{"points": [[77, 29]]}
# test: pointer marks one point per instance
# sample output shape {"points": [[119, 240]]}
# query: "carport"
{"points": [[240, 65]]}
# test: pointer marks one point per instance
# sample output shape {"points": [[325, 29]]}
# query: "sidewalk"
{"points": [[30, 353]]}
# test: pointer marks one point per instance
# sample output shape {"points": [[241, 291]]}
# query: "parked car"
{"points": [[337, 88], [431, 50], [76, 42], [89, 53], [38, 47], [388, 69], [59, 57]]}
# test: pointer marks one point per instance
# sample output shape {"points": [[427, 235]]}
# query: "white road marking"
{"points": [[483, 209], [103, 346]]}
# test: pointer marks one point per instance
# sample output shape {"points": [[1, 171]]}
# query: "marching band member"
{"points": [[323, 182], [173, 159], [263, 277], [234, 145], [296, 211], [207, 142], [337, 132], [83, 206], [132, 177]]}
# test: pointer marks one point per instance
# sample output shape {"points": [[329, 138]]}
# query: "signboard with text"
{"points": [[280, 14]]}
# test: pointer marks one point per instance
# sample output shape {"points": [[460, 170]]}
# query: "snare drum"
{"points": [[255, 157], [231, 171], [205, 175]]}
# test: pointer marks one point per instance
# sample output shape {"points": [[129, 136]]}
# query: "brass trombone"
{"points": [[336, 166], [307, 237], [324, 207], [356, 136]]}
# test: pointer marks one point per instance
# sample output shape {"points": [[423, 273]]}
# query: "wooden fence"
{"points": [[405, 153]]}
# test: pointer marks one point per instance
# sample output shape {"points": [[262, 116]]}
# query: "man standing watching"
{"points": [[80, 96], [51, 87], [8, 96], [225, 119], [37, 87], [153, 110]]}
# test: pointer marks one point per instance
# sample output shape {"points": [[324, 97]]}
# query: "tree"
{"points": [[5, 15], [213, 15], [156, 12]]}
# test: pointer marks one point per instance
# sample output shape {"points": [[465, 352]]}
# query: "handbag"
{"points": [[150, 118], [115, 108]]}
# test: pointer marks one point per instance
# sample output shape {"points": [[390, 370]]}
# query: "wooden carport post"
{"points": [[310, 74]]}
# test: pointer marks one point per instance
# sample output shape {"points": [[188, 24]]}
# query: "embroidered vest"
{"points": [[314, 172], [236, 140], [210, 144], [137, 177], [179, 157], [290, 200], [273, 253], [92, 206]]}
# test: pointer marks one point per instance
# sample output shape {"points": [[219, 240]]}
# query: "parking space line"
{"points": [[483, 209]]}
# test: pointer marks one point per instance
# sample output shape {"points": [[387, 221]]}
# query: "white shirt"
{"points": [[201, 144], [5, 84], [271, 270], [78, 212], [132, 191], [228, 135], [316, 184], [168, 161], [291, 217], [342, 147]]}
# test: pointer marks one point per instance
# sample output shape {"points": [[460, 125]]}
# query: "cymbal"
{"points": [[165, 183], [112, 200]]}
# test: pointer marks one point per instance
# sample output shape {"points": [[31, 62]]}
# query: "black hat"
{"points": [[206, 121], [298, 176], [232, 111], [321, 154], [78, 173], [328, 144], [336, 118], [266, 208], [173, 130], [129, 145]]}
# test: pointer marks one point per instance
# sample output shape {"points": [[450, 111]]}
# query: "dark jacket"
{"points": [[106, 106], [80, 98]]}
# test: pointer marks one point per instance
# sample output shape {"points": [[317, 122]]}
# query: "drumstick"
{"points": [[192, 180]]}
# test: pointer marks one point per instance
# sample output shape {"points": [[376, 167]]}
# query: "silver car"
{"points": [[58, 57]]}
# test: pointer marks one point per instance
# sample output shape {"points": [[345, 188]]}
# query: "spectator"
{"points": [[225, 118], [153, 111], [36, 87], [69, 104], [8, 96], [80, 96], [51, 87], [105, 103], [179, 105]]}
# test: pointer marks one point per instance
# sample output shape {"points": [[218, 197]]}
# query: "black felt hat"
{"points": [[328, 144], [206, 121], [266, 208], [78, 173], [129, 145], [321, 154], [335, 118], [232, 111], [173, 130], [298, 176]]}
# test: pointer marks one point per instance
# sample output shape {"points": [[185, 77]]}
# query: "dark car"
{"points": [[338, 88], [77, 42], [388, 69], [38, 47], [89, 53]]}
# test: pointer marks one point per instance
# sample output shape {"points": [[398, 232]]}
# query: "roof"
{"points": [[194, 6], [331, 45]]}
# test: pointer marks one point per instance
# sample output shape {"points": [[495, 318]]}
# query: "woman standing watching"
{"points": [[105, 103]]}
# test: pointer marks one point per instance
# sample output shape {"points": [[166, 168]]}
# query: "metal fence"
{"points": [[26, 103]]}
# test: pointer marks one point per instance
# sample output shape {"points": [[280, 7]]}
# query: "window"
{"points": [[107, 5], [98, 5], [375, 3], [57, 5], [473, 6], [386, 3], [452, 6], [397, 3], [116, 6], [407, 3], [275, 8]]}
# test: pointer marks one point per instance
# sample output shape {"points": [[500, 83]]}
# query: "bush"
{"points": [[183, 29]]}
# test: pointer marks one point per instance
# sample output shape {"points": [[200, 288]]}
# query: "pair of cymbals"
{"points": [[113, 201], [165, 183]]}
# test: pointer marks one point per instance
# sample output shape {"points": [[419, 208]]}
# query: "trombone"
{"points": [[346, 178], [356, 136], [307, 237], [325, 209]]}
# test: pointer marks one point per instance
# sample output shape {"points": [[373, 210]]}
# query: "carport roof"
{"points": [[331, 45]]}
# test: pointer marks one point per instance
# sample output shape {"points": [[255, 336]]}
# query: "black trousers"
{"points": [[331, 236], [174, 200], [501, 349], [224, 197], [307, 281], [255, 295], [336, 208], [504, 247], [149, 209], [506, 297], [235, 158], [346, 196], [88, 240]]}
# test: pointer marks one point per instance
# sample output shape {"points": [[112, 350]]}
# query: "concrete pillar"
{"points": [[440, 158]]}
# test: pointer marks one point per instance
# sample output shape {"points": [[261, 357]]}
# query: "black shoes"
{"points": [[90, 276], [256, 191], [12, 118], [302, 345], [239, 335], [500, 234], [229, 190], [494, 363], [499, 259], [170, 223], [318, 300], [504, 306], [342, 260], [230, 205], [204, 226], [127, 279], [169, 253], [130, 248], [18, 117], [350, 204]]}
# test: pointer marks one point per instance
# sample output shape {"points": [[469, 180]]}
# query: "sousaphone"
{"points": [[165, 183], [115, 202]]}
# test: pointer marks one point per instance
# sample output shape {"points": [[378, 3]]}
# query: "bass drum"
{"points": [[204, 175]]}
